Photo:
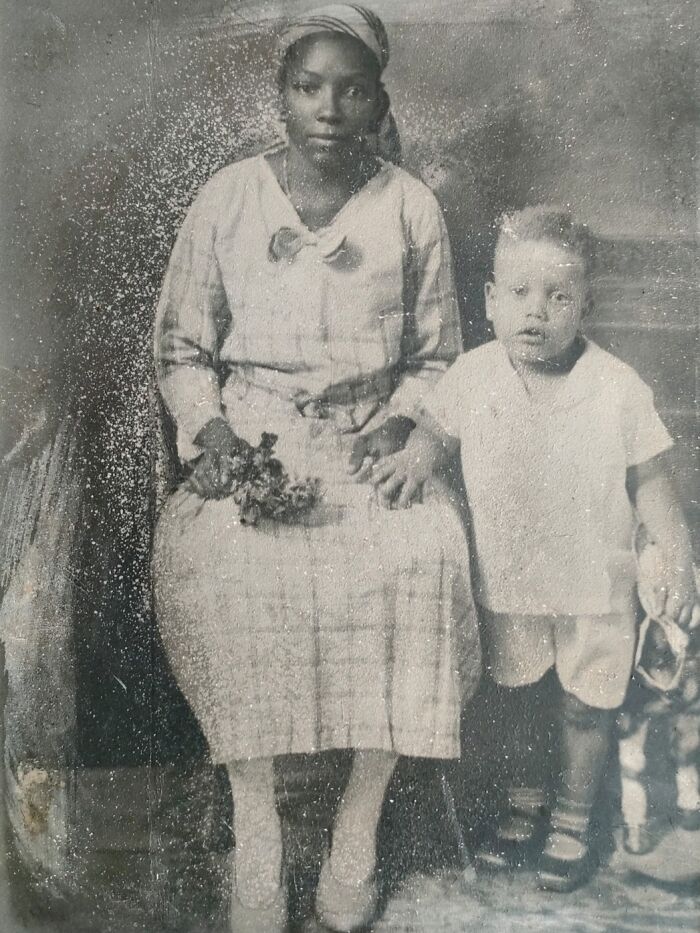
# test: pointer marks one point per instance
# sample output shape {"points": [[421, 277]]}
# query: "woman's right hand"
{"points": [[211, 476]]}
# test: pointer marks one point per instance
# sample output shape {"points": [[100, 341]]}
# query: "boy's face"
{"points": [[537, 300]]}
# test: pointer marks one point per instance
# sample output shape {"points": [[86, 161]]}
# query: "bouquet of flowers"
{"points": [[261, 488]]}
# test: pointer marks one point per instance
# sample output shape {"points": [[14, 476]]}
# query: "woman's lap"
{"points": [[357, 630]]}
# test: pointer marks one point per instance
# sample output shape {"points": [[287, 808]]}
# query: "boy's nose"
{"points": [[537, 307]]}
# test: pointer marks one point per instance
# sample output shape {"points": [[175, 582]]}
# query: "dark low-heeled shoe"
{"points": [[688, 819], [562, 875], [343, 907], [509, 849]]}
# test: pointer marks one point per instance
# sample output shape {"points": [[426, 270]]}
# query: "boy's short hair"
{"points": [[548, 222]]}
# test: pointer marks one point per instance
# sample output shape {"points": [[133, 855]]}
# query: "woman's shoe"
{"points": [[344, 907], [562, 875], [267, 918], [688, 819]]}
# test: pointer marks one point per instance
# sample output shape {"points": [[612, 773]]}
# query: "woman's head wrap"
{"points": [[351, 19], [347, 19]]}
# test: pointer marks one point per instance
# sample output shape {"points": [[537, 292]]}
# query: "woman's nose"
{"points": [[329, 106]]}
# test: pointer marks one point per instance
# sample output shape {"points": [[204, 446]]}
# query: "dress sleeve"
{"points": [[432, 335], [644, 434], [191, 316]]}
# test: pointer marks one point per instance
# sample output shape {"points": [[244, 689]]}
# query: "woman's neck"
{"points": [[319, 192], [347, 176]]}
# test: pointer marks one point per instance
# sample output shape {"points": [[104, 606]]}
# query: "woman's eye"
{"points": [[304, 87], [560, 297], [519, 290], [356, 92]]}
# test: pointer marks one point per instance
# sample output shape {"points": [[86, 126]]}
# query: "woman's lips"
{"points": [[328, 140]]}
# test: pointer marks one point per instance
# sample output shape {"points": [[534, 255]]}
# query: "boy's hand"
{"points": [[668, 579], [400, 477], [683, 607], [371, 447]]}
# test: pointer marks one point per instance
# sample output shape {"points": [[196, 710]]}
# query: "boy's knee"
{"points": [[580, 715]]}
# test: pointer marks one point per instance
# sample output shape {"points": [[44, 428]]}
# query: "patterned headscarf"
{"points": [[348, 19], [351, 19]]}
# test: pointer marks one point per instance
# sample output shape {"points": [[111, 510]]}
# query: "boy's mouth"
{"points": [[531, 334]]}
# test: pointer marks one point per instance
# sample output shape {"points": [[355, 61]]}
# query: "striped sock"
{"points": [[526, 806], [569, 828]]}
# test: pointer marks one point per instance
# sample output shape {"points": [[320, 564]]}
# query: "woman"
{"points": [[310, 295]]}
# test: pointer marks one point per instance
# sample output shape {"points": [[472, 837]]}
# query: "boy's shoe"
{"points": [[344, 907], [559, 874], [518, 839]]}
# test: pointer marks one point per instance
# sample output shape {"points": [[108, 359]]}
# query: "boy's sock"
{"points": [[526, 808], [569, 826]]}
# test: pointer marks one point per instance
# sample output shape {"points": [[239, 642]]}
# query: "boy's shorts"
{"points": [[592, 655]]}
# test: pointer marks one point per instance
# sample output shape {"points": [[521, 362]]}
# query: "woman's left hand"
{"points": [[388, 438]]}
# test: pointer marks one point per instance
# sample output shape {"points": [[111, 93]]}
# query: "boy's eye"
{"points": [[355, 91], [519, 290], [304, 87], [560, 297]]}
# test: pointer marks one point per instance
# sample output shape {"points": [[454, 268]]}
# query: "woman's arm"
{"points": [[432, 333], [659, 509], [191, 322], [191, 318]]}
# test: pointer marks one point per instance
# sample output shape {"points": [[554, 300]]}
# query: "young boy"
{"points": [[560, 446]]}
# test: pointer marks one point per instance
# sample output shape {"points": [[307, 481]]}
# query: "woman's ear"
{"points": [[490, 297], [383, 105]]}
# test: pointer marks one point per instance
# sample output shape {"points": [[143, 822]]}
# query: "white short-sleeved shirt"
{"points": [[552, 520]]}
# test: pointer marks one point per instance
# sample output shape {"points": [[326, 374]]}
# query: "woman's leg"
{"points": [[257, 831], [354, 849]]}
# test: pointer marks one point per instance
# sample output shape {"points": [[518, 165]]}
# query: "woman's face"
{"points": [[331, 96]]}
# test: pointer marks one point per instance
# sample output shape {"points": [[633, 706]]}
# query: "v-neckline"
{"points": [[350, 201]]}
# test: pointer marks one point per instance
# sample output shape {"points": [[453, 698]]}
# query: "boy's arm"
{"points": [[407, 471], [655, 499]]}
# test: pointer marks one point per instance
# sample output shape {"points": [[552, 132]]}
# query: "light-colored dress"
{"points": [[355, 628]]}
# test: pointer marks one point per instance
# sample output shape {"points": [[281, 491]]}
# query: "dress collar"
{"points": [[375, 183]]}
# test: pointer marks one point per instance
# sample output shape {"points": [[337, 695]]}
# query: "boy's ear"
{"points": [[489, 295]]}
